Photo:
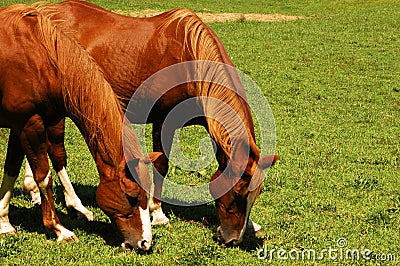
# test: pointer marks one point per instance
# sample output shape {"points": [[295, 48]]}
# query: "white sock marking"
{"points": [[157, 213], [6, 188], [71, 199]]}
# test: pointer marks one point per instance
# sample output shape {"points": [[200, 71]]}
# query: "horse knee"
{"points": [[44, 183]]}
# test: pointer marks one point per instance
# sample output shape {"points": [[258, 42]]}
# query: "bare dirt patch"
{"points": [[219, 17]]}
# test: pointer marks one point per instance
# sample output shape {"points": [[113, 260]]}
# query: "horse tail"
{"points": [[88, 98]]}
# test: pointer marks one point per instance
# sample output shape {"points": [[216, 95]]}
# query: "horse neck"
{"points": [[224, 102], [88, 98]]}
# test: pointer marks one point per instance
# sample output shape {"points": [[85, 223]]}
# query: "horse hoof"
{"points": [[67, 239], [87, 215], [7, 229], [252, 226], [160, 221], [10, 233]]}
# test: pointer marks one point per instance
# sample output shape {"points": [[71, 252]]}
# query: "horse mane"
{"points": [[204, 46], [88, 98]]}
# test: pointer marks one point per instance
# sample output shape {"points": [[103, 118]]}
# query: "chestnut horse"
{"points": [[130, 50], [45, 76]]}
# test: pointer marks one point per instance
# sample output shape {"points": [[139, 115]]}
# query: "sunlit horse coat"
{"points": [[130, 50], [44, 76]]}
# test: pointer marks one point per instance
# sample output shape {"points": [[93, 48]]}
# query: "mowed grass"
{"points": [[332, 81]]}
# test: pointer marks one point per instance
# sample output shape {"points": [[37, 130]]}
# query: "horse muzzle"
{"points": [[228, 239], [139, 246]]}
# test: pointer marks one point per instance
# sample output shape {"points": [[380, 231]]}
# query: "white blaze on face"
{"points": [[146, 225], [145, 213], [251, 198]]}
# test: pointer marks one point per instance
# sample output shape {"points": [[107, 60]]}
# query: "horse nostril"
{"points": [[219, 233], [127, 247], [145, 245], [230, 243]]}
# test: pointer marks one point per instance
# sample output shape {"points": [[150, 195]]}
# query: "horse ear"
{"points": [[153, 156], [254, 151], [129, 183], [268, 161], [239, 158]]}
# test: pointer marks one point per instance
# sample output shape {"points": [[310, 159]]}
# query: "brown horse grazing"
{"points": [[130, 50], [44, 76]]}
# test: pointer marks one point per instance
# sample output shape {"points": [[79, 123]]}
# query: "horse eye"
{"points": [[237, 194], [231, 211], [133, 201]]}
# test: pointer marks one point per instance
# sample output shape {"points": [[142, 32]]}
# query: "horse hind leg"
{"points": [[13, 163], [71, 199], [6, 188], [160, 171]]}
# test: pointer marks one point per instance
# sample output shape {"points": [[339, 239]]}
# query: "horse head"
{"points": [[242, 181], [124, 199]]}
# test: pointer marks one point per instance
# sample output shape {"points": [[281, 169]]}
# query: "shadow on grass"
{"points": [[29, 219], [207, 215]]}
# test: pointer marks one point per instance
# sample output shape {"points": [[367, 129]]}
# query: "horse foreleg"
{"points": [[163, 145], [33, 140], [58, 157], [71, 199], [14, 158], [50, 218]]}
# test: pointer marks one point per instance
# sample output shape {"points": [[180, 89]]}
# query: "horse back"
{"points": [[129, 50]]}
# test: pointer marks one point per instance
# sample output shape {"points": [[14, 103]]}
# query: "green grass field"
{"points": [[332, 81]]}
